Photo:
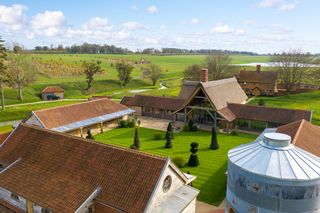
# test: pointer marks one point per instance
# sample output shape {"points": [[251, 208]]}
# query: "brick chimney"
{"points": [[258, 68], [204, 75]]}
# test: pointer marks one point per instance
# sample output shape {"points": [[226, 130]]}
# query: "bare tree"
{"points": [[153, 72], [292, 66], [192, 73], [20, 71], [3, 56], [218, 64]]}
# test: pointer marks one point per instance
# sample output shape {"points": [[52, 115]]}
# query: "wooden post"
{"points": [[81, 133], [249, 124], [185, 115], [101, 127]]}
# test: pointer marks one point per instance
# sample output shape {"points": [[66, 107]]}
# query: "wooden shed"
{"points": [[52, 93]]}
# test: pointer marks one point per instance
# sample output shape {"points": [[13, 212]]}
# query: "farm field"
{"points": [[307, 101], [107, 83], [20, 112], [211, 179]]}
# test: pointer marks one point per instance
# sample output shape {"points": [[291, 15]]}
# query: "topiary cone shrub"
{"points": [[168, 142], [193, 160], [89, 135], [170, 131], [136, 140], [214, 141]]}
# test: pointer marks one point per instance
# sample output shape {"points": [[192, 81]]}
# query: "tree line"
{"points": [[87, 48], [292, 67]]}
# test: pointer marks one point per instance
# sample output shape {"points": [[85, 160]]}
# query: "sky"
{"points": [[261, 26]]}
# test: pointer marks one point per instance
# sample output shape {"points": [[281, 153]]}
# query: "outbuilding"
{"points": [[52, 93]]}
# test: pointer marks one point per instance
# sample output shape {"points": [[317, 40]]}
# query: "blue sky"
{"points": [[263, 26]]}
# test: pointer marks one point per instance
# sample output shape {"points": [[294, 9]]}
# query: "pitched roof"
{"points": [[63, 171], [268, 114], [50, 89], [188, 88], [304, 135], [268, 77], [68, 114], [3, 137], [219, 92], [224, 91], [157, 102]]}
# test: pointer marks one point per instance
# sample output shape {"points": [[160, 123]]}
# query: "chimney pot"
{"points": [[258, 67], [204, 75]]}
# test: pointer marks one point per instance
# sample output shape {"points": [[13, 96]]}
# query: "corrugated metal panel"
{"points": [[92, 121], [287, 162]]}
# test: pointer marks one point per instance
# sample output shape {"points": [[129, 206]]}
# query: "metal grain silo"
{"points": [[272, 175]]}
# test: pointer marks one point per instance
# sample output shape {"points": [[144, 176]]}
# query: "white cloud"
{"points": [[226, 29], [239, 32], [151, 41], [12, 18], [162, 26], [48, 19], [222, 29], [194, 21], [97, 23], [122, 35], [250, 22], [152, 9], [278, 4], [133, 25]]}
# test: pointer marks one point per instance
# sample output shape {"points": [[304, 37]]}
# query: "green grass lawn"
{"points": [[211, 179], [5, 129], [20, 112], [307, 101]]}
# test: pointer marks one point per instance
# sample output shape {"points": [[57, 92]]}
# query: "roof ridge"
{"points": [[91, 141], [218, 82], [302, 121]]}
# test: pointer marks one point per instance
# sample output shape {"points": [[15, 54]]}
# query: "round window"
{"points": [[167, 183]]}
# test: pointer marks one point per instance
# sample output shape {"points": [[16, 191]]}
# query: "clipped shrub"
{"points": [[170, 130], [168, 142], [194, 128], [193, 160], [123, 124], [136, 140], [214, 140], [186, 128], [131, 123], [89, 135], [158, 136], [179, 161]]}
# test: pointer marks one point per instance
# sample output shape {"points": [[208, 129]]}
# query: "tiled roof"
{"points": [[50, 89], [220, 92], [304, 135], [224, 91], [157, 102], [268, 77], [268, 114], [60, 172], [3, 137], [61, 116]]}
